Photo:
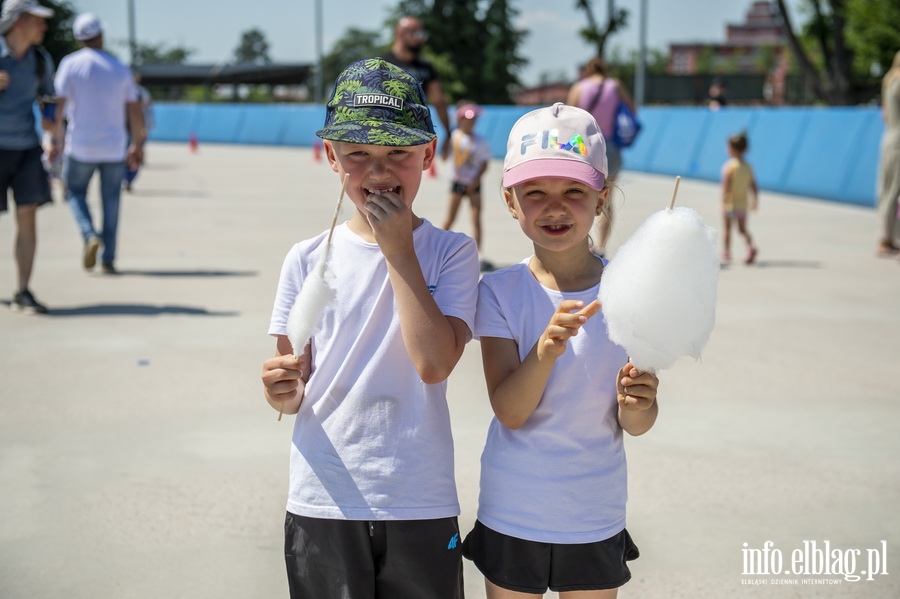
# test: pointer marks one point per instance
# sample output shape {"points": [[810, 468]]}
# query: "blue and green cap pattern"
{"points": [[377, 103]]}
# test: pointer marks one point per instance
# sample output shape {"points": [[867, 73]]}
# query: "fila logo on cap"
{"points": [[378, 101], [549, 138]]}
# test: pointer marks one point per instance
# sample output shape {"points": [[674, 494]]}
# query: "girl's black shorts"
{"points": [[532, 567]]}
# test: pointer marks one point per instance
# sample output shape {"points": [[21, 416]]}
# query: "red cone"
{"points": [[192, 143], [317, 151]]}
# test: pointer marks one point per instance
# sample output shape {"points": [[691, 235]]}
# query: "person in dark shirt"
{"points": [[409, 40], [716, 98]]}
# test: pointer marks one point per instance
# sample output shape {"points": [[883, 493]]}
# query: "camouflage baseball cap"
{"points": [[377, 103]]}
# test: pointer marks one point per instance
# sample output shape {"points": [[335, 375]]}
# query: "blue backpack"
{"points": [[627, 126]]}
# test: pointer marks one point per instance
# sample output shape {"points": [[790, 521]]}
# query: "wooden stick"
{"points": [[337, 212], [674, 193]]}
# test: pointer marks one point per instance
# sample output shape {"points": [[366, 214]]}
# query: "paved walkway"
{"points": [[139, 460]]}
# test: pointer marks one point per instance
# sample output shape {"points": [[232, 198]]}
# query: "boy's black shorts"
{"points": [[532, 567], [385, 559]]}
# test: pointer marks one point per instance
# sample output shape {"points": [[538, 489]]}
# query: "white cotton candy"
{"points": [[658, 293], [314, 296]]}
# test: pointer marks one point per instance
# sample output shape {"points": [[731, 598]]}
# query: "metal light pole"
{"points": [[132, 41], [640, 72], [319, 82]]}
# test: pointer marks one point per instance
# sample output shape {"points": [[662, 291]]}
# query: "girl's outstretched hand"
{"points": [[636, 390], [563, 325]]}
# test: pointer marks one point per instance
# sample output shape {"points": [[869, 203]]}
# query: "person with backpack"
{"points": [[26, 73], [600, 95]]}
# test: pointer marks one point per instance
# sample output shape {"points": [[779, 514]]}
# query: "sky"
{"points": [[213, 27]]}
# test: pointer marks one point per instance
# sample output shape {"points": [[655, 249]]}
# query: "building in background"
{"points": [[753, 62], [758, 46]]}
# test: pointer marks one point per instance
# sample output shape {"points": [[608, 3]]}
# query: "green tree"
{"points": [[253, 48], [705, 60], [472, 44], [59, 40], [502, 61], [764, 60], [624, 67], [160, 54], [354, 45], [840, 42], [617, 18], [873, 31]]}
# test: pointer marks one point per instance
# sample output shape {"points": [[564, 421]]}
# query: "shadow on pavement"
{"points": [[787, 264], [133, 310], [183, 273], [166, 193]]}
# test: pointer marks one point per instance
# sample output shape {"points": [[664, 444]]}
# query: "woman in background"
{"points": [[600, 94], [889, 166]]}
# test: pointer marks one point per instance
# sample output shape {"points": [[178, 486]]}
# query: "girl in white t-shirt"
{"points": [[551, 509]]}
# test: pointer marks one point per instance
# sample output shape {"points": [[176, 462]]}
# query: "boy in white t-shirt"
{"points": [[471, 154], [372, 507]]}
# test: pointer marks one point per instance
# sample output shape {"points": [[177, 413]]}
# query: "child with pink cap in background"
{"points": [[551, 510], [471, 154]]}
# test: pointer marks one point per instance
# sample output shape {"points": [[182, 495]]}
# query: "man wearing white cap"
{"points": [[98, 95], [26, 72]]}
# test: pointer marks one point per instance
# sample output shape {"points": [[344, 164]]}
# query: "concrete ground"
{"points": [[139, 460]]}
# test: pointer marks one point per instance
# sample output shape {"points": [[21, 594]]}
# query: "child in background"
{"points": [[738, 183], [372, 508], [471, 154], [551, 511]]}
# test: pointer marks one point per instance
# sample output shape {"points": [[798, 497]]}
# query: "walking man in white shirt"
{"points": [[96, 92]]}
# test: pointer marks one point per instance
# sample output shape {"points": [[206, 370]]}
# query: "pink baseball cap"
{"points": [[469, 111], [556, 141]]}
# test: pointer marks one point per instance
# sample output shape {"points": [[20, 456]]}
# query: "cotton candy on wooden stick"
{"points": [[659, 292], [315, 294]]}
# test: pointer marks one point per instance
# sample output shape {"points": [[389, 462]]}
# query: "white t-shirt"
{"points": [[371, 440], [469, 153], [561, 477], [96, 87]]}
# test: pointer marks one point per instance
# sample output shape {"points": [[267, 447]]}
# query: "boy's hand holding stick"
{"points": [[315, 294]]}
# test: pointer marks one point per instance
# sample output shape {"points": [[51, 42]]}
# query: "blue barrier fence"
{"points": [[829, 153]]}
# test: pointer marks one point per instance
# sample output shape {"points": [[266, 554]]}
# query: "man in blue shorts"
{"points": [[26, 72]]}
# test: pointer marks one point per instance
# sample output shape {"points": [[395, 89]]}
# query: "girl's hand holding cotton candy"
{"points": [[659, 291], [636, 390]]}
